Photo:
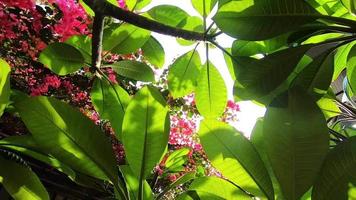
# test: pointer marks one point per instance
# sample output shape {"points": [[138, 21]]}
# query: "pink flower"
{"points": [[52, 81]]}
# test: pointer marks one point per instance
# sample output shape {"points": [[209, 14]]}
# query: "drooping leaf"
{"points": [[167, 14], [110, 101], [20, 182], [182, 74], [211, 92], [257, 78], [69, 136], [145, 132], [192, 24], [124, 38], [340, 61], [199, 6], [83, 44], [133, 69], [26, 145], [235, 157], [264, 19], [4, 85], [336, 172], [154, 52], [133, 183], [216, 188], [62, 58], [297, 146]]}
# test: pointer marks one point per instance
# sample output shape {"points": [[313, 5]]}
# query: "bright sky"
{"points": [[249, 111]]}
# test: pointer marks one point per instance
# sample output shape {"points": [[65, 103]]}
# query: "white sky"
{"points": [[249, 111]]}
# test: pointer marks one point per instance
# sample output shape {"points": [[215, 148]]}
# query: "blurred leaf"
{"points": [[183, 73], [350, 5], [20, 182], [154, 52], [296, 146], [168, 14], [133, 69], [4, 85], [176, 160], [62, 58]]}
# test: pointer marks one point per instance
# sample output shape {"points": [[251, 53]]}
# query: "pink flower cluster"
{"points": [[231, 112]]}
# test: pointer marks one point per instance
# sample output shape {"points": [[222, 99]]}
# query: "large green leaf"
{"points": [[351, 68], [110, 101], [133, 184], [296, 140], [62, 58], [182, 74], [124, 38], [350, 5], [192, 24], [199, 6], [216, 188], [180, 181], [154, 52], [27, 145], [340, 61], [20, 182], [4, 85], [257, 78], [211, 92], [145, 132], [337, 170], [263, 19], [69, 136], [133, 69], [137, 4], [167, 14], [83, 44], [235, 157]]}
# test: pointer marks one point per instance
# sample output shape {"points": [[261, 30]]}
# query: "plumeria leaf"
{"points": [[168, 14], [199, 6], [4, 85], [133, 69], [154, 52]]}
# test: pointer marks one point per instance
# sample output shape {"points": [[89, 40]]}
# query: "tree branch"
{"points": [[97, 40], [108, 9]]}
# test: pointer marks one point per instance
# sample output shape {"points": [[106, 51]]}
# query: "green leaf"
{"points": [[87, 9], [182, 74], [137, 4], [336, 172], [83, 44], [27, 145], [176, 160], [154, 52], [62, 58], [340, 61], [20, 182], [145, 132], [351, 68], [264, 19], [192, 24], [350, 5], [124, 38], [180, 181], [211, 92], [134, 70], [133, 184], [216, 188], [4, 85], [199, 6], [167, 14], [110, 101], [316, 77], [257, 78], [73, 139], [328, 107], [235, 157], [297, 146]]}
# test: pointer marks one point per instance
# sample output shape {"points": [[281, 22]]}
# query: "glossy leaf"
{"points": [[211, 92], [83, 44], [340, 61], [145, 131], [257, 78], [235, 157], [124, 38], [351, 68], [216, 188], [167, 14], [4, 85], [73, 139], [302, 138], [27, 145], [134, 70], [183, 73], [20, 182], [264, 19], [154, 52], [336, 172], [199, 6], [110, 101], [62, 58]]}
